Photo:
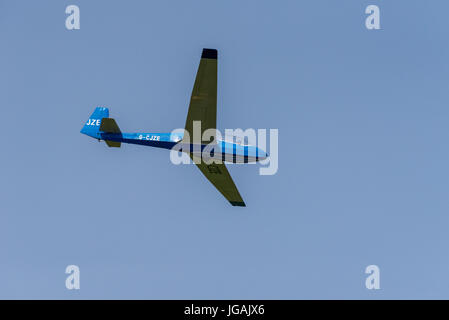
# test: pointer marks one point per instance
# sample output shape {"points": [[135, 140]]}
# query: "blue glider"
{"points": [[202, 115]]}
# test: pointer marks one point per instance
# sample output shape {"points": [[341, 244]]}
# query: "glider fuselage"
{"points": [[224, 150], [202, 113]]}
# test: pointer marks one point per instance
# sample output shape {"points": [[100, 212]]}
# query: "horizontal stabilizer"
{"points": [[114, 144], [109, 125]]}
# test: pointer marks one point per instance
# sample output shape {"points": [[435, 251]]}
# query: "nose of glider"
{"points": [[262, 155]]}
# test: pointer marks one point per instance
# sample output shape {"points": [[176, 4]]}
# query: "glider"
{"points": [[202, 111]]}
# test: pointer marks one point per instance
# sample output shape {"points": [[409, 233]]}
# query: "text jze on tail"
{"points": [[101, 127], [92, 126]]}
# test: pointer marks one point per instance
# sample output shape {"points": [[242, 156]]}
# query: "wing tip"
{"points": [[209, 54], [238, 203]]}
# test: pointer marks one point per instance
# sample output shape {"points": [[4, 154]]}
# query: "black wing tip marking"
{"points": [[209, 54], [238, 203]]}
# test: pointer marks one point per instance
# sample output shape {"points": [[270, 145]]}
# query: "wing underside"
{"points": [[218, 175], [203, 102], [203, 108]]}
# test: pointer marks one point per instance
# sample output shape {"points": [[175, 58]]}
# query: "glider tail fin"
{"points": [[92, 126]]}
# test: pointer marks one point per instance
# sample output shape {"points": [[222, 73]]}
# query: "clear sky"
{"points": [[363, 150]]}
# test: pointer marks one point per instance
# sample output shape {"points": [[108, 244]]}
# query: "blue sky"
{"points": [[363, 159]]}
